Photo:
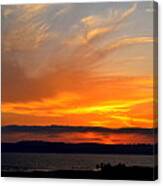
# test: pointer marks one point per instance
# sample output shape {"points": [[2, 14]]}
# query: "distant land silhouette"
{"points": [[90, 148]]}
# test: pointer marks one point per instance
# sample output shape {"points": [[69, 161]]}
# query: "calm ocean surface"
{"points": [[49, 162]]}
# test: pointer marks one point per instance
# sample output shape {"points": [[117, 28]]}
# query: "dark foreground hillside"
{"points": [[118, 172]]}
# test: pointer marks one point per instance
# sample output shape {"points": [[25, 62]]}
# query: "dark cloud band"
{"points": [[73, 129]]}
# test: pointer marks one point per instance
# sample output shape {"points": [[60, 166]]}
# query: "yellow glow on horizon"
{"points": [[64, 106], [47, 104]]}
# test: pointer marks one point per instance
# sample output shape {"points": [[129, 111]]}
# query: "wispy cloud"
{"points": [[96, 26], [95, 33], [91, 54], [127, 13], [63, 10], [91, 21], [127, 42], [28, 32]]}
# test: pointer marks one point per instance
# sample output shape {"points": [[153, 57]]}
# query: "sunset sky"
{"points": [[86, 68]]}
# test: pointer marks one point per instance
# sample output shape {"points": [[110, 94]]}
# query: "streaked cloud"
{"points": [[28, 31], [128, 12], [63, 10], [96, 26], [90, 20], [96, 33], [64, 106], [131, 119], [129, 41], [29, 12], [122, 43]]}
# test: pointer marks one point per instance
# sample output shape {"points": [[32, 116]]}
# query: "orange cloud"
{"points": [[128, 41], [90, 20], [98, 104], [96, 32]]}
